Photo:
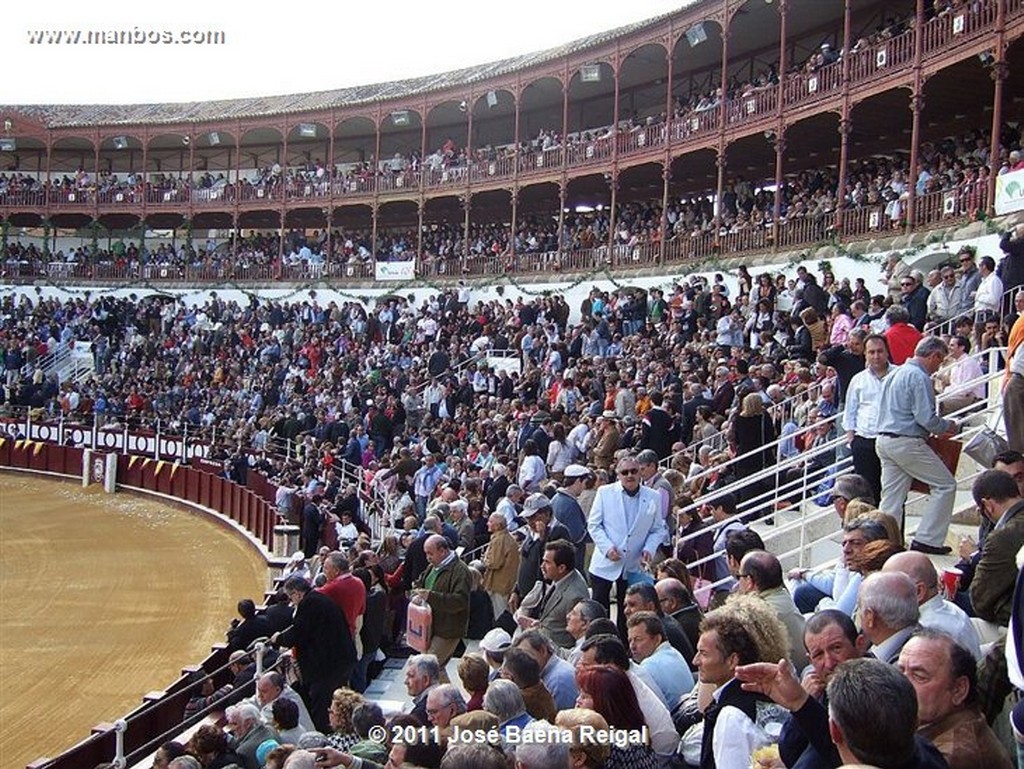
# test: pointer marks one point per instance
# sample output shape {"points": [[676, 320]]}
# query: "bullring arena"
{"points": [[258, 313], [103, 598]]}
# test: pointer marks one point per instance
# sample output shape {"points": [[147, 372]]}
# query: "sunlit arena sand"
{"points": [[103, 599]]}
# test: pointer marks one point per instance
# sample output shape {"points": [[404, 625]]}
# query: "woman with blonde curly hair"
{"points": [[770, 637], [586, 752], [343, 735]]}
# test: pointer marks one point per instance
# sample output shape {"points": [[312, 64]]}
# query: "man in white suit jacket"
{"points": [[627, 527]]}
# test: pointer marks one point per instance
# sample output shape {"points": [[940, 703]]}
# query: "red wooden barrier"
{"points": [[73, 458], [179, 482], [189, 484], [164, 472], [37, 454], [238, 502], [205, 489], [244, 507], [134, 475], [217, 494]]}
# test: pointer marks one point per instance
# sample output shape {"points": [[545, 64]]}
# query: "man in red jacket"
{"points": [[901, 336], [347, 591]]}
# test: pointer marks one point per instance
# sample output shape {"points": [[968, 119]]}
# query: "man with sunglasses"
{"points": [[627, 527], [945, 300], [914, 297], [970, 278]]}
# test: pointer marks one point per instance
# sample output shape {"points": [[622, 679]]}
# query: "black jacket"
{"points": [[811, 722], [247, 631], [916, 303], [321, 638], [658, 434]]}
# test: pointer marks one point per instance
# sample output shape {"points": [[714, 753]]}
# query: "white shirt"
{"points": [[940, 614], [735, 738], [559, 456], [577, 439], [1017, 362], [507, 508], [531, 473], [862, 397], [965, 369], [989, 295], [664, 737]]}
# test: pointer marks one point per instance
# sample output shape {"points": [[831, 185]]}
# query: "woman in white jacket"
{"points": [[559, 452]]}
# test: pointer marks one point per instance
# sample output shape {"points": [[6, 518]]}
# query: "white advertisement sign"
{"points": [[1010, 192], [396, 270]]}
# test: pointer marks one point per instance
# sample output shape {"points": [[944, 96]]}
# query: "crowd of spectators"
{"points": [[958, 166], [671, 684], [332, 400]]}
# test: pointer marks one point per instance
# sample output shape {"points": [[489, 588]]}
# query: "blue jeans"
{"points": [[806, 596], [421, 507], [359, 680]]}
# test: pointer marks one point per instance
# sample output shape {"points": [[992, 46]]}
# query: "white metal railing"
{"points": [[70, 362], [783, 409], [803, 487], [948, 326]]}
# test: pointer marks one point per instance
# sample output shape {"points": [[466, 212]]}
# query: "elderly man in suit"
{"points": [[250, 732], [627, 527], [323, 646], [549, 601]]}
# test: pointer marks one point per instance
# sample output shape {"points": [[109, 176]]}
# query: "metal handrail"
{"points": [[762, 506], [199, 716], [784, 407], [951, 322]]}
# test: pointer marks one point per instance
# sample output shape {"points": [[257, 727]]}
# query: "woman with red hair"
{"points": [[607, 690]]}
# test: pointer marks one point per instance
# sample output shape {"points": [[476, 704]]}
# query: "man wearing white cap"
{"points": [[494, 645], [543, 528], [627, 528], [567, 510], [607, 440]]}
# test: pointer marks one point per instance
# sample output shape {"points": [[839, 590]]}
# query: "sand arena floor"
{"points": [[102, 599]]}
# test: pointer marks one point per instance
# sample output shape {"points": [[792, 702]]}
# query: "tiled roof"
{"points": [[64, 115]]}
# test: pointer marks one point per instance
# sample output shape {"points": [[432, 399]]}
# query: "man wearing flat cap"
{"points": [[608, 437], [542, 528], [567, 510]]}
